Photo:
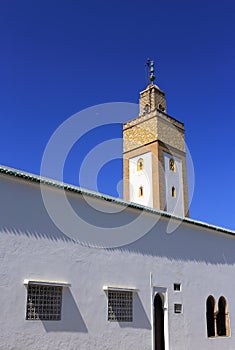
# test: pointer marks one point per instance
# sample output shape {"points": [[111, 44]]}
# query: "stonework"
{"points": [[153, 127], [152, 97], [155, 131]]}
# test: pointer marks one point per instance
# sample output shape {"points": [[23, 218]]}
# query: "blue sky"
{"points": [[59, 57]]}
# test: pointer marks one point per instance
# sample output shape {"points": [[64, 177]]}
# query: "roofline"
{"points": [[62, 185]]}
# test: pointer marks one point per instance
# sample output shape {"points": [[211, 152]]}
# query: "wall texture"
{"points": [[32, 247]]}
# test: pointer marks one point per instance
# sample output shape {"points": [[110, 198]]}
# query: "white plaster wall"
{"points": [[202, 260], [174, 205], [141, 178]]}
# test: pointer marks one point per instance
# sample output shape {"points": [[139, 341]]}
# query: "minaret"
{"points": [[154, 154]]}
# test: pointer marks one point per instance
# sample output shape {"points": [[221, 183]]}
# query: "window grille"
{"points": [[178, 308], [44, 302], [177, 287], [120, 306]]}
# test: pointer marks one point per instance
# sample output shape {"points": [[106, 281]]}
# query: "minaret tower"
{"points": [[154, 154]]}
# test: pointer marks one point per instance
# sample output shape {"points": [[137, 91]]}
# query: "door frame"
{"points": [[162, 291]]}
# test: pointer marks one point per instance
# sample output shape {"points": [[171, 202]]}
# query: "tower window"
{"points": [[141, 191], [140, 164], [173, 192], [146, 109], [172, 165], [160, 106]]}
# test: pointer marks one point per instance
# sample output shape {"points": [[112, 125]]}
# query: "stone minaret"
{"points": [[154, 155]]}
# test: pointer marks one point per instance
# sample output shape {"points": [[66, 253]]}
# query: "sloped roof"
{"points": [[47, 181]]}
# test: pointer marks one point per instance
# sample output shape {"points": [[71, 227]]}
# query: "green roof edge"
{"points": [[47, 181]]}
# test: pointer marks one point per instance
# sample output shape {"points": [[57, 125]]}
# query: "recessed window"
{"points": [[120, 306], [222, 318], [140, 164], [146, 109], [44, 302], [160, 106], [210, 316], [178, 308], [141, 191], [177, 287], [172, 165], [173, 192], [217, 320]]}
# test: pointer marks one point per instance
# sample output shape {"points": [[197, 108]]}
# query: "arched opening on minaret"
{"points": [[172, 164], [140, 164], [141, 191]]}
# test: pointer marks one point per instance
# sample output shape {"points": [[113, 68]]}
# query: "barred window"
{"points": [[120, 306], [44, 302], [178, 308], [177, 287]]}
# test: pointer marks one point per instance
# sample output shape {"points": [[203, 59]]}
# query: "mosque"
{"points": [[169, 287]]}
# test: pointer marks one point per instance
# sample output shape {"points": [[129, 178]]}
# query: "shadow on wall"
{"points": [[140, 318], [186, 243], [23, 213], [71, 318]]}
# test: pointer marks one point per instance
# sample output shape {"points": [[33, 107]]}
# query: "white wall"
{"points": [[141, 178], [31, 247], [174, 178]]}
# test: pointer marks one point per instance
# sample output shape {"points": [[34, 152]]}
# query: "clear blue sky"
{"points": [[59, 57]]}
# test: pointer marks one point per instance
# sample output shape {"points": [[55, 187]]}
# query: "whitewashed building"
{"points": [[123, 275]]}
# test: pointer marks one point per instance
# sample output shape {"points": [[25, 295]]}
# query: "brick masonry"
{"points": [[157, 132]]}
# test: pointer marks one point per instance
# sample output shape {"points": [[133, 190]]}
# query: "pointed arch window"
{"points": [[210, 316], [146, 109], [141, 191], [222, 318], [217, 321], [140, 164], [172, 166], [173, 192]]}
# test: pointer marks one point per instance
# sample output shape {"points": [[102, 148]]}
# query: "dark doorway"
{"points": [[159, 323]]}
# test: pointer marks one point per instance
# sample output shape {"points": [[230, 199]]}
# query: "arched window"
{"points": [[140, 164], [146, 109], [210, 316], [160, 106], [172, 165], [222, 318], [141, 191], [173, 192]]}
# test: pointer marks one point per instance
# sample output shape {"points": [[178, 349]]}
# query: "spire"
{"points": [[152, 98], [151, 76]]}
